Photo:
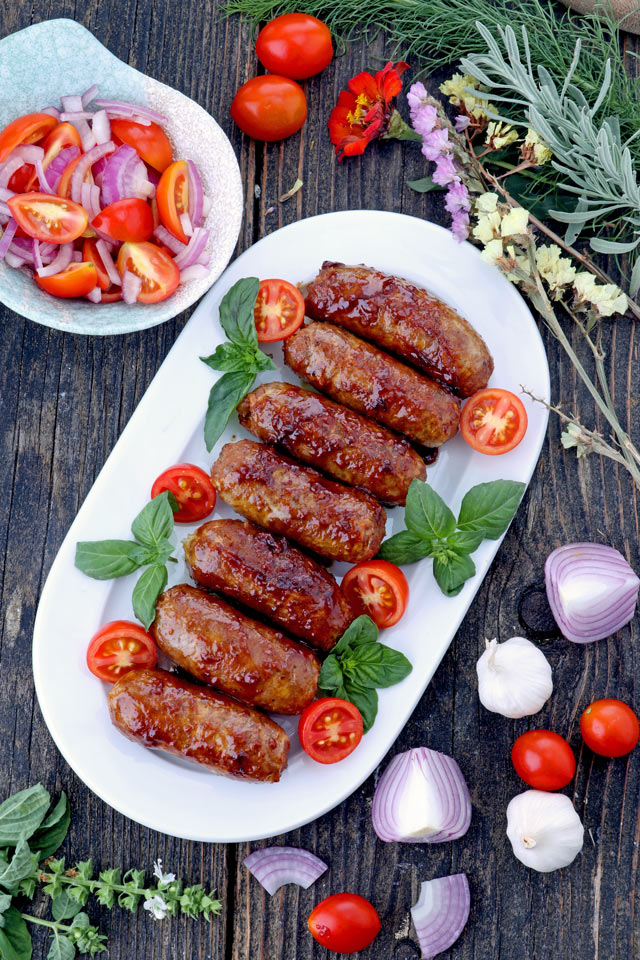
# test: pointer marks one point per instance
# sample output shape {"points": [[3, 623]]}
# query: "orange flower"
{"points": [[365, 111]]}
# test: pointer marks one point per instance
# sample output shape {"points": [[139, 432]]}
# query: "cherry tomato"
{"points": [[609, 728], [27, 129], [64, 135], [64, 187], [75, 281], [158, 272], [377, 588], [493, 421], [90, 255], [330, 729], [172, 195], [128, 219], [269, 107], [295, 45], [118, 647], [47, 217], [279, 310], [191, 487], [344, 923], [543, 759], [150, 142], [23, 179]]}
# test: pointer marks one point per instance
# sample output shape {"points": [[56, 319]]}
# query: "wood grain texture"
{"points": [[65, 399]]}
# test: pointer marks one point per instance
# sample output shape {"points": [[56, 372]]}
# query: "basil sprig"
{"points": [[433, 531], [241, 358], [152, 548], [358, 664]]}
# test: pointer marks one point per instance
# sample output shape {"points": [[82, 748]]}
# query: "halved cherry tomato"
{"points": [[172, 194], [330, 729], [47, 217], [150, 142], [90, 255], [295, 45], [63, 135], [610, 728], [27, 129], [543, 759], [493, 421], [64, 187], [279, 310], [158, 272], [118, 647], [76, 281], [191, 487], [269, 107], [377, 588], [344, 923], [128, 219]]}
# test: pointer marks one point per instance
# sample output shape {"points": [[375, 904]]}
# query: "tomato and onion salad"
{"points": [[80, 182], [493, 421], [330, 729], [118, 647], [192, 488], [377, 588]]}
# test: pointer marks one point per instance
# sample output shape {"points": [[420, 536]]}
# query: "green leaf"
{"points": [[5, 902], [64, 907], [263, 361], [27, 887], [50, 835], [330, 674], [424, 185], [144, 555], [61, 948], [225, 396], [464, 541], [365, 699], [362, 630], [405, 547], [634, 283], [163, 551], [106, 559], [154, 523], [84, 869], [375, 665], [426, 512], [489, 508], [22, 814], [22, 864], [15, 939], [236, 311], [230, 357], [451, 572], [146, 592]]}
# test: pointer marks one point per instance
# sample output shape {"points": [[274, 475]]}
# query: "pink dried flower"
{"points": [[460, 225], [461, 122], [435, 144], [445, 171], [457, 198]]}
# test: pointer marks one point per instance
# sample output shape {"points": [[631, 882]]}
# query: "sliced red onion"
{"points": [[107, 260], [51, 111], [77, 115], [206, 206], [131, 286], [276, 866], [89, 94], [197, 271], [6, 194], [162, 234], [30, 153], [441, 913], [5, 212], [185, 222], [61, 261], [130, 110], [73, 103], [90, 199], [194, 249], [76, 256], [37, 257], [125, 175], [86, 135], [422, 797], [95, 295], [12, 260], [7, 237], [59, 164], [592, 590], [101, 127], [196, 195], [100, 150]]}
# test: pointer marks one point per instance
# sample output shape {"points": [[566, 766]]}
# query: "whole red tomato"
{"points": [[344, 923], [295, 45], [610, 728], [269, 108], [543, 759]]}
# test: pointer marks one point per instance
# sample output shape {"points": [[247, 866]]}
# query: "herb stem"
{"points": [[56, 925], [93, 885]]}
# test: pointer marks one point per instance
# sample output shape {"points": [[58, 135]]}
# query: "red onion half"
{"points": [[276, 866], [422, 797], [441, 913], [592, 590]]}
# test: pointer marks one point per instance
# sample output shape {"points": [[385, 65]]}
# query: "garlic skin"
{"points": [[514, 678], [545, 831]]}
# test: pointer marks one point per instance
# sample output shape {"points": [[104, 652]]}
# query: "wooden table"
{"points": [[64, 401]]}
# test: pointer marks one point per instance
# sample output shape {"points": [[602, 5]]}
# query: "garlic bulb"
{"points": [[545, 831], [514, 678]]}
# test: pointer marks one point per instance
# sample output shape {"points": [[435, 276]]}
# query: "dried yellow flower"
{"points": [[487, 202], [487, 227], [457, 87], [515, 222], [555, 270], [534, 149], [500, 135], [605, 298]]}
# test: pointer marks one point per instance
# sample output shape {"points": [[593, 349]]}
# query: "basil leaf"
{"points": [[15, 939], [50, 835], [61, 948], [229, 357], [22, 864], [489, 508], [365, 699], [173, 503], [426, 513], [22, 814], [362, 630], [225, 396], [464, 541], [330, 674], [106, 559], [163, 552], [263, 361], [143, 555], [405, 547], [395, 667], [154, 522], [146, 592], [236, 312], [375, 665], [451, 571], [63, 907]]}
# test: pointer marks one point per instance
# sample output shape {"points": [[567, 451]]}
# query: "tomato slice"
{"points": [[158, 272], [191, 487], [128, 219], [493, 421], [90, 255], [47, 217], [76, 281], [64, 187], [377, 588], [150, 142], [330, 729], [27, 129], [118, 647], [172, 194], [279, 310]]}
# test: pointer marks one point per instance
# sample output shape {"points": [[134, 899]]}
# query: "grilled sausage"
{"points": [[223, 647], [269, 575], [158, 710], [332, 438], [367, 380], [324, 516], [404, 319]]}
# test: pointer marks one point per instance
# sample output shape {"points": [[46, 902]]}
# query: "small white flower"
{"points": [[488, 227], [487, 202], [515, 222], [162, 877], [492, 252], [157, 906], [606, 298]]}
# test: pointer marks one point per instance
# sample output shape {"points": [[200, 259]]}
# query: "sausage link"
{"points": [[326, 517], [268, 574], [223, 647], [332, 438], [158, 710]]}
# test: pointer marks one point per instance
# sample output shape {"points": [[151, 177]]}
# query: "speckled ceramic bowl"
{"points": [[57, 57]]}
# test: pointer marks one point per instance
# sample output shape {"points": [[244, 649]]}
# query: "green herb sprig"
{"points": [[152, 548], [358, 664], [433, 531], [241, 358], [28, 838]]}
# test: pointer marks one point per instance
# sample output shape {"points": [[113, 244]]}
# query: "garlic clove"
{"points": [[545, 831], [514, 678]]}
